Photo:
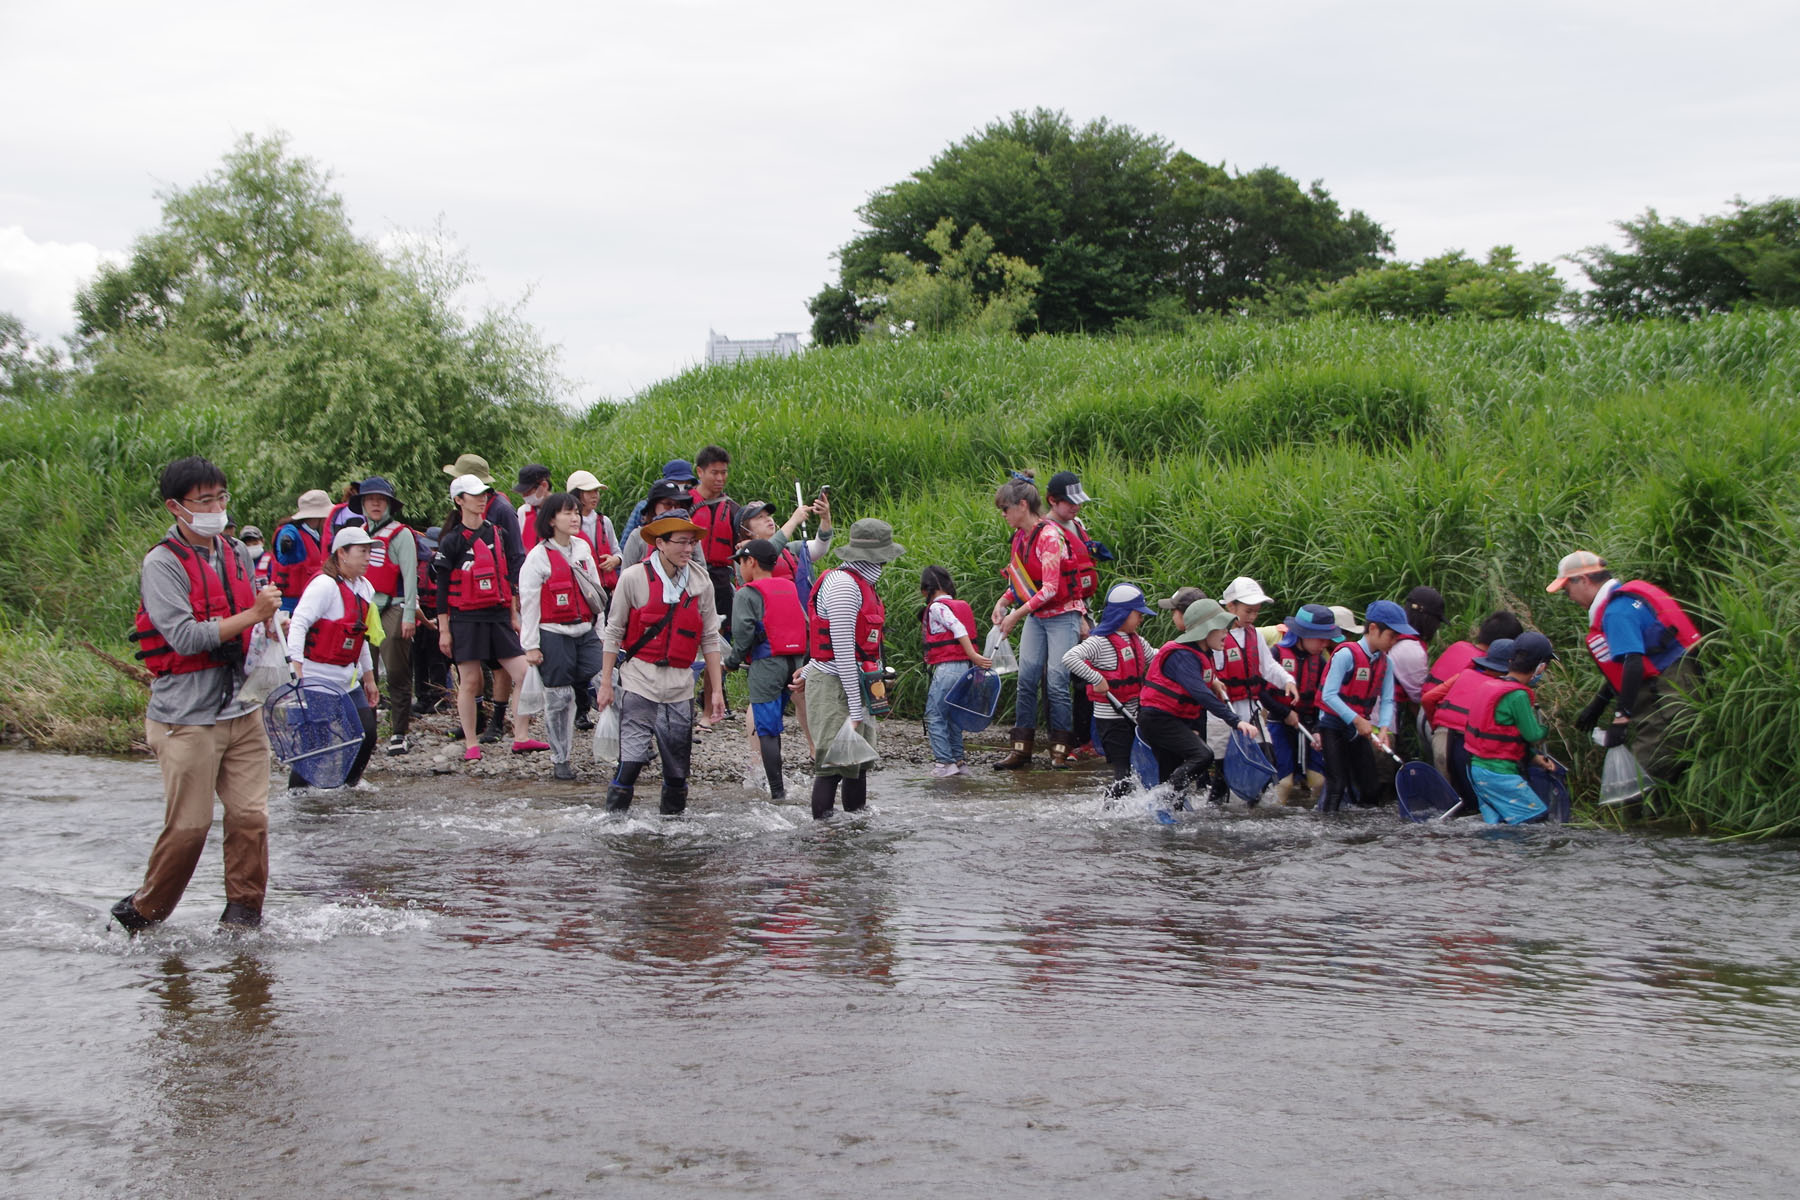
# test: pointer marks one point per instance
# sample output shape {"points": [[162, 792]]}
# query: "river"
{"points": [[989, 987]]}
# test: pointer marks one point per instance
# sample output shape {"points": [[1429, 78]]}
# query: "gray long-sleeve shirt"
{"points": [[199, 697], [403, 552]]}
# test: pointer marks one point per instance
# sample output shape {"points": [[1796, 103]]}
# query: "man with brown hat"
{"points": [[300, 547], [1640, 638], [662, 618]]}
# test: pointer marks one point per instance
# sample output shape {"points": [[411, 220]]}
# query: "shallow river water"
{"points": [[994, 987]]}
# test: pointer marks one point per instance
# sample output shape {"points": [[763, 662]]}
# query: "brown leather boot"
{"points": [[1022, 742], [1060, 741]]}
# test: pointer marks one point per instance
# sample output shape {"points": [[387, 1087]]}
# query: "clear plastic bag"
{"points": [[848, 748], [1001, 651], [1621, 779], [530, 700], [606, 735], [265, 668]]}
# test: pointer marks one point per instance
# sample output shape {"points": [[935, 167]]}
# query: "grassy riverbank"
{"points": [[1335, 461]]}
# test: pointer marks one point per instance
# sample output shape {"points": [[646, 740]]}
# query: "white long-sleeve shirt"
{"points": [[535, 573], [321, 601]]}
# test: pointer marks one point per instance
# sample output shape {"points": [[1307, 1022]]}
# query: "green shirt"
{"points": [[1514, 709]]}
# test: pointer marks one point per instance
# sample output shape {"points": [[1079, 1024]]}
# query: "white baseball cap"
{"points": [[1244, 590], [350, 535], [583, 481], [467, 485]]}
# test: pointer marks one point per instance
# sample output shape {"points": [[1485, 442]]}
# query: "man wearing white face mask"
{"points": [[193, 627]]}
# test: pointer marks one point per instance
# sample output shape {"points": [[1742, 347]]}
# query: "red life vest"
{"points": [[869, 620], [211, 594], [1125, 682], [1361, 688], [560, 600], [1452, 712], [1079, 579], [944, 648], [263, 564], [338, 641], [1081, 559], [784, 621], [1451, 663], [716, 519], [1240, 667], [1484, 736], [292, 578], [787, 566], [480, 581], [1678, 629], [384, 573], [528, 536], [1163, 693], [1308, 671], [427, 585], [657, 636], [609, 578]]}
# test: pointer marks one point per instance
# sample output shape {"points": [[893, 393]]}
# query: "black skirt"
{"points": [[483, 641]]}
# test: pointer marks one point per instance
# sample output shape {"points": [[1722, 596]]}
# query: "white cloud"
{"points": [[38, 280]]}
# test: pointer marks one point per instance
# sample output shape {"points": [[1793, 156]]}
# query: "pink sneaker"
{"points": [[528, 746], [472, 754]]}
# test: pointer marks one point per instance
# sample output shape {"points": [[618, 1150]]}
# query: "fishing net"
{"points": [[1247, 768], [1143, 762], [1423, 792], [314, 730], [973, 699], [1552, 788]]}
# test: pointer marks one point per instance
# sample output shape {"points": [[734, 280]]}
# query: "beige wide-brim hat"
{"points": [[674, 521], [471, 464], [315, 503], [871, 540], [1202, 618]]}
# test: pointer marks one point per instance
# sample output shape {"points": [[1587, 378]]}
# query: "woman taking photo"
{"points": [[328, 635], [478, 594], [560, 598]]}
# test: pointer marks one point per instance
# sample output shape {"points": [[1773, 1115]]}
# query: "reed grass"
{"points": [[1335, 460]]}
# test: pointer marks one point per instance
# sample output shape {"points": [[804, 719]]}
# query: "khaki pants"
{"points": [[230, 760], [826, 711], [396, 666]]}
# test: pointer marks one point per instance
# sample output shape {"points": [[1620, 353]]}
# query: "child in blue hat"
{"points": [[1112, 661], [1304, 652], [1356, 705]]}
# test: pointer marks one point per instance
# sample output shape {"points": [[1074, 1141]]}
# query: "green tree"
{"points": [[839, 318], [1450, 285], [334, 360], [969, 289], [1113, 219], [30, 370], [1749, 256]]}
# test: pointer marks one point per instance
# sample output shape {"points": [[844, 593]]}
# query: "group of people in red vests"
{"points": [[700, 584]]}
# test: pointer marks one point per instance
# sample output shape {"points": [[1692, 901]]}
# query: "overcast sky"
{"points": [[653, 170]]}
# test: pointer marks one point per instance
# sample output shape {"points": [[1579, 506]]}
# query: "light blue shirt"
{"points": [[1332, 704]]}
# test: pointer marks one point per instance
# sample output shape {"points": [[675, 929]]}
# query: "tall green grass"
{"points": [[1335, 460]]}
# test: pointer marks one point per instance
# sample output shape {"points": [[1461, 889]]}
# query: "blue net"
{"points": [[1423, 792], [314, 730], [973, 699], [1552, 788], [1143, 762], [1247, 768]]}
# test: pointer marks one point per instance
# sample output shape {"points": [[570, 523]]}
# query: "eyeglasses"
{"points": [[689, 543], [219, 498]]}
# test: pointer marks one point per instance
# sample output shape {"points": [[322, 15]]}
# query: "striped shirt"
{"points": [[839, 601], [1086, 661]]}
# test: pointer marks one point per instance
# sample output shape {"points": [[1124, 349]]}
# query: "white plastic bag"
{"points": [[606, 735], [530, 700], [1001, 652], [849, 748], [265, 668], [1621, 779]]}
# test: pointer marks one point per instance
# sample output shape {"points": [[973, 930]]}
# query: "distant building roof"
{"points": [[721, 349]]}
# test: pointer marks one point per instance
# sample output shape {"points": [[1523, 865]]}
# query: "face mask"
{"points": [[206, 525]]}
